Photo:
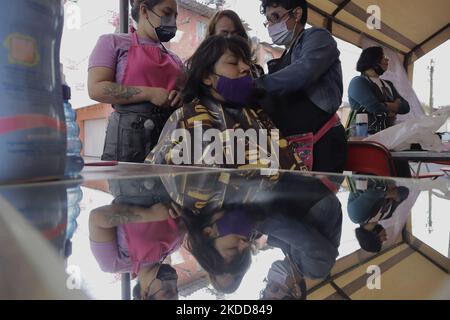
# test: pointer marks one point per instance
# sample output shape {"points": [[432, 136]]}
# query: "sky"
{"points": [[77, 43], [441, 57], [94, 19]]}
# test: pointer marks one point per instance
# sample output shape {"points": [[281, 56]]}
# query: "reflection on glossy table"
{"points": [[310, 233], [422, 156]]}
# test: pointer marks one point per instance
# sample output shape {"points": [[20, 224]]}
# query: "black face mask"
{"points": [[167, 29], [168, 277], [378, 69], [377, 229], [166, 272]]}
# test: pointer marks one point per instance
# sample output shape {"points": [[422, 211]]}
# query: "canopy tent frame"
{"points": [[415, 51], [124, 15], [330, 20]]}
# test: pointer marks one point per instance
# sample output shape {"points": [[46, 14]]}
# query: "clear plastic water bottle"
{"points": [[74, 161], [352, 130], [74, 165], [74, 197], [362, 125]]}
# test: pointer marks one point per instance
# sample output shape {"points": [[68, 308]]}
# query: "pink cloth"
{"points": [[150, 243], [144, 62], [111, 52]]}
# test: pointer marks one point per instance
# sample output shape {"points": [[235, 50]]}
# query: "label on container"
{"points": [[32, 124]]}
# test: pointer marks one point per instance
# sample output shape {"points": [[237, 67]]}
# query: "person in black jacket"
{"points": [[369, 207], [370, 94], [310, 243]]}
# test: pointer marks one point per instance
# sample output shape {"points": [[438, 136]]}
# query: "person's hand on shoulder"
{"points": [[174, 99], [162, 212], [158, 96]]}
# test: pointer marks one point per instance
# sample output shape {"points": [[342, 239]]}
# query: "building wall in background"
{"points": [[192, 29]]}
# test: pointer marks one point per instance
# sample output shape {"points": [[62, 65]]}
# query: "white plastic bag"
{"points": [[421, 130]]}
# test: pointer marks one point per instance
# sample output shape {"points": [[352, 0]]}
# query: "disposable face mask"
{"points": [[167, 29], [235, 222], [378, 69], [168, 277], [280, 33], [235, 91], [279, 272]]}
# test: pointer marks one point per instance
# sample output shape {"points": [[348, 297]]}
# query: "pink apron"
{"points": [[150, 66], [151, 242], [133, 130]]}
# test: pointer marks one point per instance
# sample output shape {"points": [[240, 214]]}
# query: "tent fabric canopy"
{"points": [[411, 27]]}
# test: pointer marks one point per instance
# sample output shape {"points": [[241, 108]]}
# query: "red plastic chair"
{"points": [[434, 175], [372, 158]]}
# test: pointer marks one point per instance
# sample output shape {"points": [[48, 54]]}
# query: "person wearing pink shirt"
{"points": [[135, 234], [137, 75]]}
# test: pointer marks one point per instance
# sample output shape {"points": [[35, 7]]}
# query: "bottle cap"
{"points": [[361, 184], [67, 94], [362, 118]]}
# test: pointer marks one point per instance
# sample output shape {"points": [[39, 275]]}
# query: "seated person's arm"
{"points": [[318, 53], [360, 91]]}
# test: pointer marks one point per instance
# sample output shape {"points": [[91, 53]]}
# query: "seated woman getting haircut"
{"points": [[218, 95]]}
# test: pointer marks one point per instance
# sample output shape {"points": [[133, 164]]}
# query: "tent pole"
{"points": [[124, 16]]}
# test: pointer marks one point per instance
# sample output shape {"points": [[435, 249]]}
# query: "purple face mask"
{"points": [[235, 91], [235, 222]]}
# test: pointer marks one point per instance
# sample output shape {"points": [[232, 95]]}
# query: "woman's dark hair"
{"points": [[368, 240], [136, 4], [137, 293], [201, 246], [369, 58], [233, 16], [288, 5], [227, 287], [202, 62], [263, 294]]}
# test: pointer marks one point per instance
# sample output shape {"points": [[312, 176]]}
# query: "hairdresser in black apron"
{"points": [[304, 86]]}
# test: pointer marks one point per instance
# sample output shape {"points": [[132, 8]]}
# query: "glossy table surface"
{"points": [[239, 234], [423, 156]]}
